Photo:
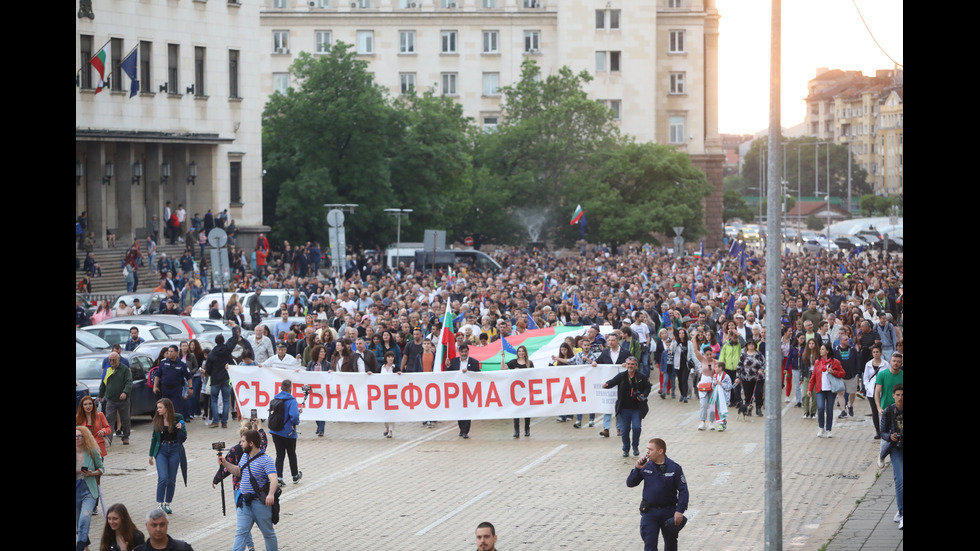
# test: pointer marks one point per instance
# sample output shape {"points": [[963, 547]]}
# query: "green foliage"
{"points": [[874, 205], [799, 152], [813, 223], [735, 182], [733, 206]]}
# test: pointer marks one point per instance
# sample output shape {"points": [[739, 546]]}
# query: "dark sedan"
{"points": [[88, 370]]}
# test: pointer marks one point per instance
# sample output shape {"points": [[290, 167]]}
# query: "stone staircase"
{"points": [[112, 280]]}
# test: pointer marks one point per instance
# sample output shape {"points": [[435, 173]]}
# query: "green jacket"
{"points": [[157, 436], [93, 462], [120, 381], [730, 353]]}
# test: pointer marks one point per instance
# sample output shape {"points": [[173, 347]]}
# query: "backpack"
{"points": [[151, 374], [277, 414]]}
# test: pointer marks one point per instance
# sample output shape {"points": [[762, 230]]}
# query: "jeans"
{"points": [[825, 409], [579, 417], [193, 404], [168, 463], [321, 426], [224, 389], [84, 503], [656, 520], [898, 470], [630, 418], [703, 403], [799, 386], [645, 362], [256, 513]]}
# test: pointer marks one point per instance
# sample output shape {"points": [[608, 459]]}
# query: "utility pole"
{"points": [[773, 461]]}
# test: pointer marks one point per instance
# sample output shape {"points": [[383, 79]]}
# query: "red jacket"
{"points": [[816, 379]]}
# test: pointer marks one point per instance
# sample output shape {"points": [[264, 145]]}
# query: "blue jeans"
{"points": [[799, 385], [630, 418], [168, 463], [321, 426], [224, 390], [256, 513], [898, 470], [84, 503], [825, 409]]}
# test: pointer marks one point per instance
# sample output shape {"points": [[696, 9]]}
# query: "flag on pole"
{"points": [[99, 61], [530, 321], [446, 348], [130, 66], [581, 226], [507, 347], [577, 215], [575, 300]]}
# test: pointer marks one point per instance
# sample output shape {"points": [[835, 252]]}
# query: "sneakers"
{"points": [[821, 433], [901, 524], [561, 419], [723, 426], [850, 411], [591, 423], [787, 399], [297, 476], [165, 507], [577, 425], [898, 517], [881, 463], [830, 434], [799, 404], [843, 414], [701, 426]]}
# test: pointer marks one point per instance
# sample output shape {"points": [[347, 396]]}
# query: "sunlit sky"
{"points": [[828, 33]]}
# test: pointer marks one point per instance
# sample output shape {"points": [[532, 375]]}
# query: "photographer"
{"points": [[258, 488], [893, 444], [631, 402]]}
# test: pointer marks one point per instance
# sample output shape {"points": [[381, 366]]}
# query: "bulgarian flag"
{"points": [[577, 216], [447, 341], [99, 61]]}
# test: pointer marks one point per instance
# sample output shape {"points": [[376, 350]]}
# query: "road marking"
{"points": [[452, 513], [722, 478], [535, 463], [307, 488], [749, 448]]}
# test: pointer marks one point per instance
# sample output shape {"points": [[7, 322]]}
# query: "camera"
{"points": [[218, 446]]}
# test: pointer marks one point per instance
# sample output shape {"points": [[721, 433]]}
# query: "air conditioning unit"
{"points": [[452, 4], [282, 50], [413, 5], [353, 4], [534, 51]]}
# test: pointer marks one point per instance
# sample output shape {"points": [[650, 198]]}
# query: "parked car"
{"points": [[271, 300], [119, 334], [176, 327], [848, 242], [815, 245], [88, 370], [81, 391], [895, 244], [87, 343], [151, 300]]}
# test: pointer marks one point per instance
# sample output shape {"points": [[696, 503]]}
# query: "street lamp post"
{"points": [[399, 213]]}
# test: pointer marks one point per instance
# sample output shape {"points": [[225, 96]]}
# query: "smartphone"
{"points": [[255, 413]]}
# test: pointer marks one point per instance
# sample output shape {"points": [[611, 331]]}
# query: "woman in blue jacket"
{"points": [[284, 437]]}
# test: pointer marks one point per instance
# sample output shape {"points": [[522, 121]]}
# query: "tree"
{"points": [[800, 151], [327, 141], [872, 205], [733, 206], [813, 223]]}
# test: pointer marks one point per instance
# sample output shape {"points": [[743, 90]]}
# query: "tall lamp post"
{"points": [[399, 213]]}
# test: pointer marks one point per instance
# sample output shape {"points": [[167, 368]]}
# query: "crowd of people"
{"points": [[681, 327]]}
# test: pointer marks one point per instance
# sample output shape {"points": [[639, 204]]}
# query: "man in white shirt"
{"points": [[282, 360]]}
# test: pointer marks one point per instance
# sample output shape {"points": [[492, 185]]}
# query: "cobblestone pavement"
{"points": [[562, 488]]}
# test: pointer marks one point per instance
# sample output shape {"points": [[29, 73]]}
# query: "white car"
{"points": [[271, 299], [119, 334]]}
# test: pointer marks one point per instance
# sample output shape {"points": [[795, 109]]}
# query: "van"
{"points": [[440, 259]]}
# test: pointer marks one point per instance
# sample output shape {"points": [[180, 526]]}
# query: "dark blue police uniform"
{"points": [[173, 375], [664, 493]]}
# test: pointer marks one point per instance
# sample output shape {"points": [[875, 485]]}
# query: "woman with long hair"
{"points": [[319, 362], [230, 307], [184, 354], [807, 358], [794, 359], [751, 376], [120, 533], [389, 343], [89, 416], [520, 362], [102, 313], [345, 360], [822, 385], [684, 351], [195, 351], [88, 466], [389, 367], [167, 449]]}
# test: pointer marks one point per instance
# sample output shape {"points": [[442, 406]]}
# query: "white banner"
{"points": [[448, 396]]}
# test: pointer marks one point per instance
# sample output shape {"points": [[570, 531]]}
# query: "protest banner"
{"points": [[447, 396]]}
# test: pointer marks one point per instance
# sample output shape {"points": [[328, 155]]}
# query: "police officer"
{"points": [[665, 496]]}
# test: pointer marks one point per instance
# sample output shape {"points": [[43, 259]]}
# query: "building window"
{"points": [[233, 73], [446, 4], [614, 61], [600, 62], [146, 56], [117, 51], [85, 48], [406, 42], [617, 108], [532, 4], [532, 42], [200, 56], [673, 3], [600, 19], [607, 61], [323, 40], [321, 3], [449, 42], [490, 42], [489, 4], [363, 4], [491, 84], [280, 42], [490, 124], [407, 83], [449, 84], [677, 83], [676, 45], [280, 83], [365, 42], [676, 130], [614, 19], [173, 68], [278, 3], [235, 179]]}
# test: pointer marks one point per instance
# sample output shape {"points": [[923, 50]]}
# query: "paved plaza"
{"points": [[562, 488]]}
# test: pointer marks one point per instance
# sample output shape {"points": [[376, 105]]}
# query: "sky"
{"points": [[825, 33]]}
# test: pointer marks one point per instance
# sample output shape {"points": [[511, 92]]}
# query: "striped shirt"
{"points": [[262, 466]]}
